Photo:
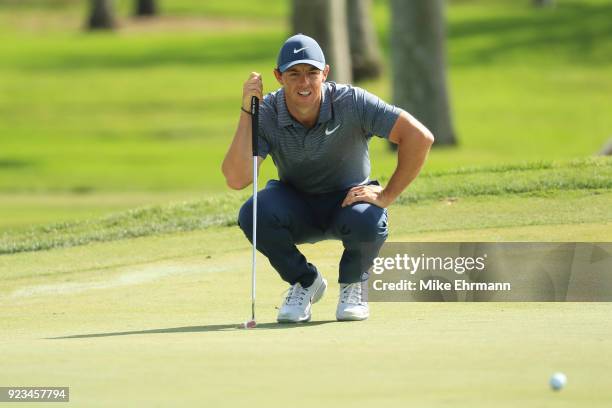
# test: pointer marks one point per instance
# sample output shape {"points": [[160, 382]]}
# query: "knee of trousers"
{"points": [[265, 218], [245, 218], [366, 226]]}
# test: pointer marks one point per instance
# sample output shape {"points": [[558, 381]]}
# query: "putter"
{"points": [[254, 136]]}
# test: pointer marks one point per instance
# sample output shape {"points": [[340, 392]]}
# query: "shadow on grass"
{"points": [[14, 164], [106, 51], [574, 30], [577, 32], [197, 329]]}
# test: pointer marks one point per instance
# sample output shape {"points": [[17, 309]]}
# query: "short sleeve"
{"points": [[376, 116]]}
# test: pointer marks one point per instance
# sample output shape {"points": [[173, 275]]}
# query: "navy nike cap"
{"points": [[300, 49]]}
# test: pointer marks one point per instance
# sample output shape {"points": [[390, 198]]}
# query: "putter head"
{"points": [[250, 324]]}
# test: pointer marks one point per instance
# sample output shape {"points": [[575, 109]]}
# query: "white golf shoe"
{"points": [[296, 307], [350, 303]]}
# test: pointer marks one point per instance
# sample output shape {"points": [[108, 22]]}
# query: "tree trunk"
{"points": [[145, 8], [102, 15], [418, 36], [365, 52], [325, 21], [543, 3], [607, 149]]}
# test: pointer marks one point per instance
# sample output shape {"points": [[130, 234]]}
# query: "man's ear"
{"points": [[278, 75], [325, 72]]}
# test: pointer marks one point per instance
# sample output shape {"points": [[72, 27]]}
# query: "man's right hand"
{"points": [[252, 87]]}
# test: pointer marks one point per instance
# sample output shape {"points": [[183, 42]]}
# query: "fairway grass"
{"points": [[151, 322]]}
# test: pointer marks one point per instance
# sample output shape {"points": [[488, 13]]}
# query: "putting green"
{"points": [[150, 322]]}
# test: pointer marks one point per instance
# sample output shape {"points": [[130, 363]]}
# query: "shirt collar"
{"points": [[284, 119], [325, 111]]}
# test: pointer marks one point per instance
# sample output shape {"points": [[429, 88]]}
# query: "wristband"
{"points": [[244, 110]]}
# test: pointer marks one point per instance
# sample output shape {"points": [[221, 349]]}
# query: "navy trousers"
{"points": [[286, 217]]}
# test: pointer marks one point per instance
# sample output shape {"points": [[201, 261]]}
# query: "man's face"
{"points": [[302, 84]]}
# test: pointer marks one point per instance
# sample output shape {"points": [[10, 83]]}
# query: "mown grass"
{"points": [[21, 211], [151, 220], [80, 115], [96, 317], [536, 178], [539, 179]]}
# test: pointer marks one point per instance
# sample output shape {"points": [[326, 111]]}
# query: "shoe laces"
{"points": [[296, 295], [351, 293]]}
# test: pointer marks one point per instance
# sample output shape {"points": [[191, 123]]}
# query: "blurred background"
{"points": [[109, 105]]}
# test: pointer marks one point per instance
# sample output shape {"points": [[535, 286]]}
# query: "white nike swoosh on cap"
{"points": [[301, 49], [329, 132]]}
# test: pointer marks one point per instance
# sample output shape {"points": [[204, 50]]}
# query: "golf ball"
{"points": [[558, 381]]}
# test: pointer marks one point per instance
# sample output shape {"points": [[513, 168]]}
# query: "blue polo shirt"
{"points": [[333, 155]]}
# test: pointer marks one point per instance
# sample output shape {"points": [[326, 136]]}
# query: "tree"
{"points": [[325, 21], [607, 149], [102, 15], [365, 52], [418, 35], [145, 8], [543, 3]]}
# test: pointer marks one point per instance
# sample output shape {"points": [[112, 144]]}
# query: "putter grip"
{"points": [[255, 123]]}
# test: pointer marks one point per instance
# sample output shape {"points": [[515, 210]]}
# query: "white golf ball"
{"points": [[558, 381]]}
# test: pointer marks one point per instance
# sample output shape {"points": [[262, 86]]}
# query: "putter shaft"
{"points": [[255, 143]]}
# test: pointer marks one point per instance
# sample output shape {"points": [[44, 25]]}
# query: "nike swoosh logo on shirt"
{"points": [[301, 49], [329, 132]]}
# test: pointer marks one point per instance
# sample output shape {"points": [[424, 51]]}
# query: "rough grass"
{"points": [[536, 179], [151, 220]]}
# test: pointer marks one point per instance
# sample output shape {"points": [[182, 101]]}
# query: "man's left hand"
{"points": [[372, 193]]}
